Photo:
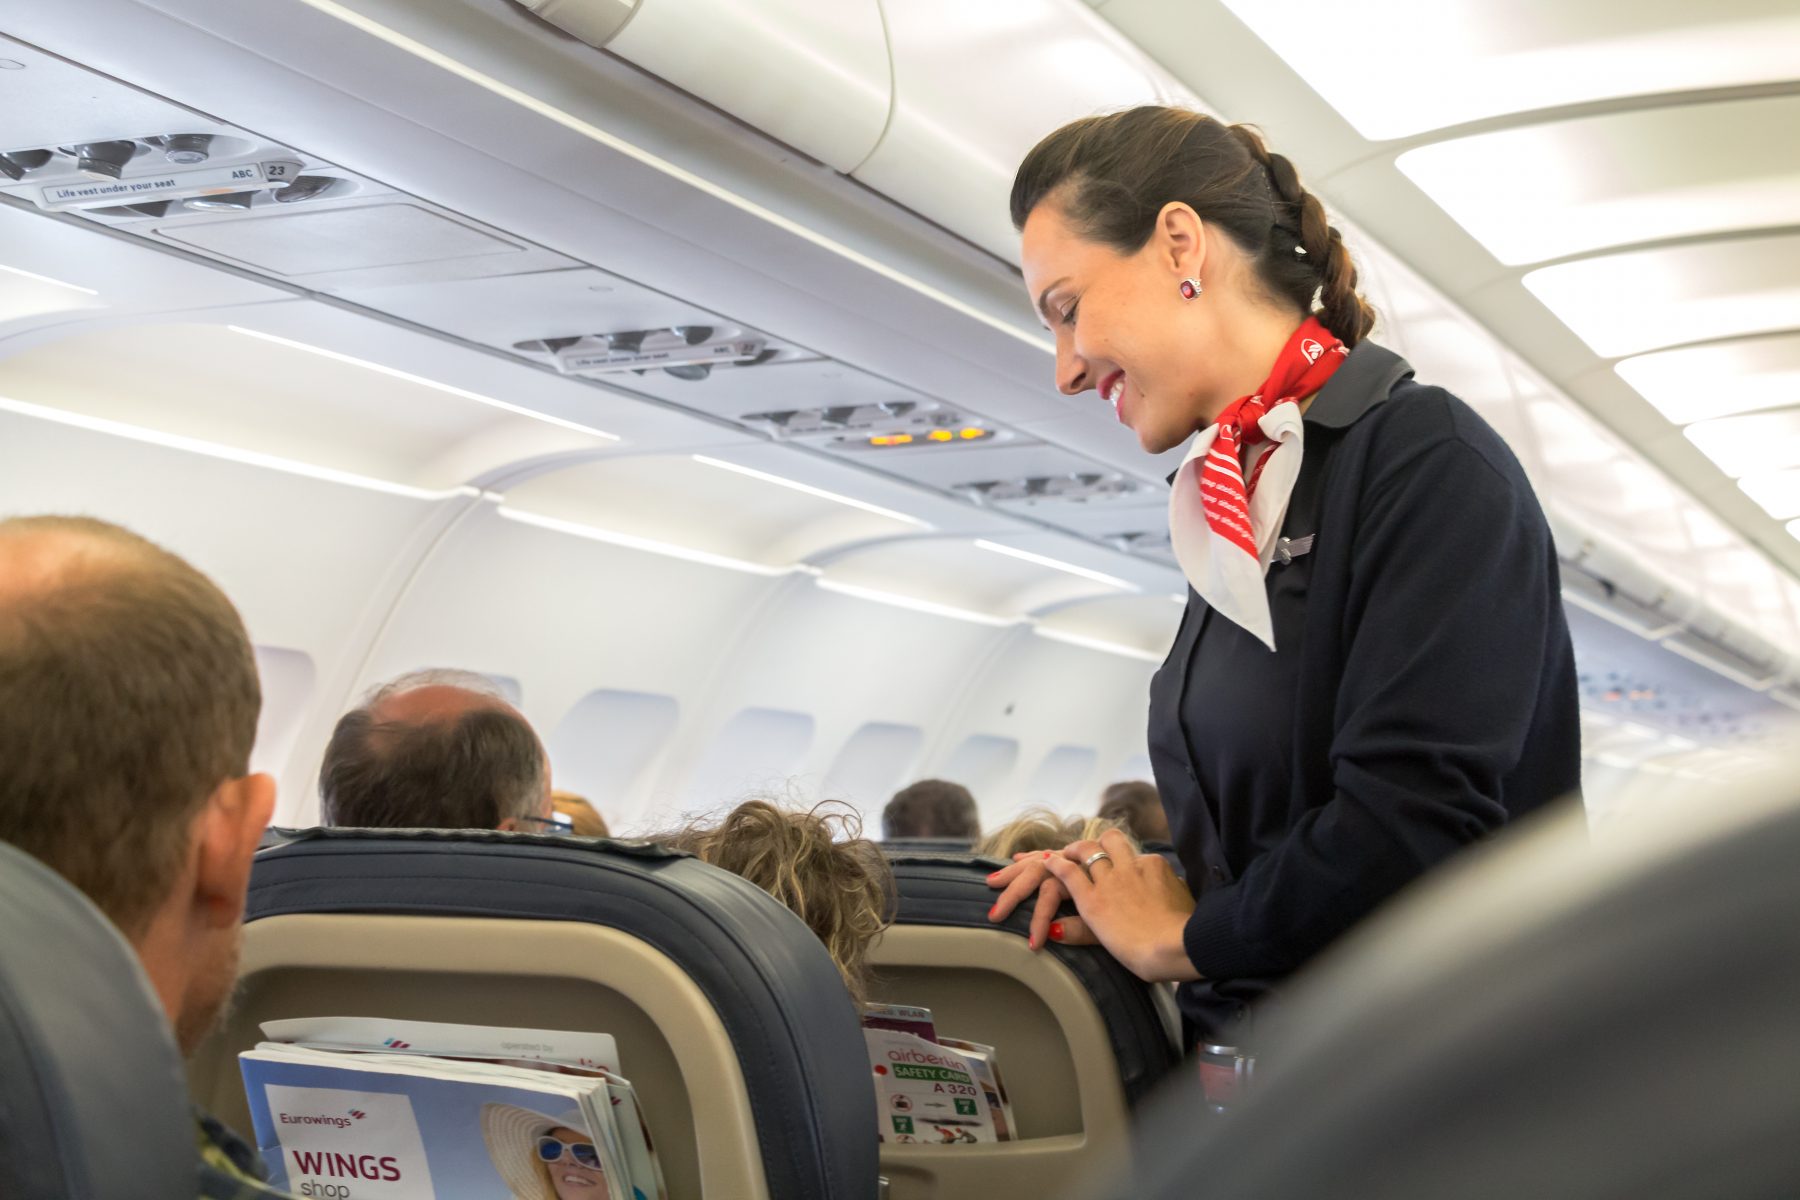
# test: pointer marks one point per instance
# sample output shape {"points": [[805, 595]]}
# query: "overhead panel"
{"points": [[977, 85], [1628, 303], [810, 73], [1488, 59], [250, 397]]}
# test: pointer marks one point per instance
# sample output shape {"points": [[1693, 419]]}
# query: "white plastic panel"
{"points": [[977, 85], [1486, 59], [811, 73], [1678, 294], [1569, 187], [757, 752], [877, 761], [601, 746]]}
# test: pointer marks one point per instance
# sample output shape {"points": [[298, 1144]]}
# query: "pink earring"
{"points": [[1190, 288]]}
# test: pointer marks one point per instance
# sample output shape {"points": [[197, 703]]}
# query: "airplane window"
{"points": [[758, 750], [1063, 777], [601, 747], [983, 764], [287, 677], [877, 760]]}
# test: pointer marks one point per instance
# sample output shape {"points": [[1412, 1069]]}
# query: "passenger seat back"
{"points": [[1079, 1039], [92, 1101], [731, 1020]]}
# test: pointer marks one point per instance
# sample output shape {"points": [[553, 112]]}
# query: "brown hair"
{"points": [[1112, 175], [1137, 806], [584, 819], [814, 861], [931, 808], [1040, 829], [470, 771], [128, 693]]}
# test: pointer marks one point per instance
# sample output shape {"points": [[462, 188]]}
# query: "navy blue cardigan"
{"points": [[1422, 691]]}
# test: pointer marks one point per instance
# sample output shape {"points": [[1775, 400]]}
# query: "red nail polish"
{"points": [[991, 877], [1056, 931], [1048, 853], [1032, 942], [992, 911]]}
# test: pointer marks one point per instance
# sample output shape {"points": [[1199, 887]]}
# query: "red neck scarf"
{"points": [[1310, 357]]}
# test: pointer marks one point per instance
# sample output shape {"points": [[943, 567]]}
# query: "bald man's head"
{"points": [[435, 750], [128, 693]]}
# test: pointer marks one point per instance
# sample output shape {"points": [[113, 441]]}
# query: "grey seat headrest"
{"points": [[1560, 1019], [93, 1100]]}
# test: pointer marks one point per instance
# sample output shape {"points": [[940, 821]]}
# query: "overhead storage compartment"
{"points": [[932, 103], [810, 73], [977, 85]]}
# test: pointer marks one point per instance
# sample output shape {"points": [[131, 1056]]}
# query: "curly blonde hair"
{"points": [[816, 862], [1038, 829]]}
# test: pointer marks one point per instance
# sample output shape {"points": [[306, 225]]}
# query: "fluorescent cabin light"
{"points": [[1487, 60], [916, 605], [1678, 294], [1778, 492], [647, 545], [36, 278], [392, 373], [1698, 383], [254, 458], [1056, 564], [810, 490], [1105, 647], [1752, 444], [1560, 188]]}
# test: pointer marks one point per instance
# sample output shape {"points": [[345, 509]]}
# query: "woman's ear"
{"points": [[1180, 240]]}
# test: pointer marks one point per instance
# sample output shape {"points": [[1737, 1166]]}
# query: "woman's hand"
{"points": [[1131, 903]]}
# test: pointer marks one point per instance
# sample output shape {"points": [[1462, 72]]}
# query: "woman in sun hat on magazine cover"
{"points": [[540, 1157]]}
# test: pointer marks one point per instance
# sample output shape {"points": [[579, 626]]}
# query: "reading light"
{"points": [[306, 187], [807, 488], [1056, 564], [187, 149], [103, 160], [891, 439], [941, 435], [229, 202], [971, 434], [14, 165]]}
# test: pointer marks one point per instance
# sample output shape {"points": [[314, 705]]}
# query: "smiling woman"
{"points": [[1359, 549], [540, 1157]]}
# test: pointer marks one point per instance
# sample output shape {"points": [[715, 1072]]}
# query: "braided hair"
{"points": [[1113, 174]]}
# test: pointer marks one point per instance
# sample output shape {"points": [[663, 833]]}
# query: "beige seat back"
{"points": [[1077, 1038], [725, 1006]]}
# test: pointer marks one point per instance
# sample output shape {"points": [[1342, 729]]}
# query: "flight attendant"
{"points": [[1373, 669]]}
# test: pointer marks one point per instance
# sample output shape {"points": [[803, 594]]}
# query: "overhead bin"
{"points": [[932, 103], [976, 86], [811, 73]]}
